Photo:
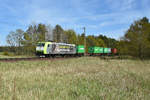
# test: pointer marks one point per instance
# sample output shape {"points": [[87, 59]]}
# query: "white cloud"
{"points": [[121, 5]]}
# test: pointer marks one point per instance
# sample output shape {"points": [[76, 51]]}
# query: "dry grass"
{"points": [[86, 78]]}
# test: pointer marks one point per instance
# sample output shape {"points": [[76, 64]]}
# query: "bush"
{"points": [[6, 53]]}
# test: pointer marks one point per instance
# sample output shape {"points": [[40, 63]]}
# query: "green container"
{"points": [[95, 50], [107, 50], [80, 49]]}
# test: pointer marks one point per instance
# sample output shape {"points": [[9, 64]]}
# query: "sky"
{"points": [[107, 17]]}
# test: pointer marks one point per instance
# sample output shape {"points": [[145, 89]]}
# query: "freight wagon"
{"points": [[95, 50], [80, 50], [99, 51], [114, 51]]}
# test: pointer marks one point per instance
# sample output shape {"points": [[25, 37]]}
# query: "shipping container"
{"points": [[114, 50], [107, 50], [95, 50], [80, 49]]}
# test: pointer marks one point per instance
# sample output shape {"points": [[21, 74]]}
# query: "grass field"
{"points": [[85, 78]]}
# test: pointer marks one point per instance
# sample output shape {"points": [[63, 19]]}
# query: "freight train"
{"points": [[52, 49]]}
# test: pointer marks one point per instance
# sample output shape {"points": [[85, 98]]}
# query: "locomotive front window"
{"points": [[41, 44]]}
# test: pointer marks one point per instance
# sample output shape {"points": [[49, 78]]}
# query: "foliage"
{"points": [[94, 41], [121, 47], [109, 42], [15, 38], [24, 42], [71, 36], [81, 39], [58, 34], [34, 34], [6, 53], [137, 38]]}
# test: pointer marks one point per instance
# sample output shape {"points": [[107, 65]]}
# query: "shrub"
{"points": [[6, 53]]}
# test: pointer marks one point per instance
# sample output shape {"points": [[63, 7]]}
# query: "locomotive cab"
{"points": [[43, 48]]}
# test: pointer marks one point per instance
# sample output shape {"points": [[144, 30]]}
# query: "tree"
{"points": [[137, 38], [91, 41], [41, 31], [80, 39], [100, 42], [35, 33], [58, 34], [70, 36], [49, 33], [95, 41], [15, 38], [122, 47], [11, 39], [109, 42]]}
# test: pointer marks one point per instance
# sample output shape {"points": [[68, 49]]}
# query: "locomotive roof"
{"points": [[64, 43], [58, 43]]}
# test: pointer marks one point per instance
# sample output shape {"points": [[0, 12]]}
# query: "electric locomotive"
{"points": [[51, 49]]}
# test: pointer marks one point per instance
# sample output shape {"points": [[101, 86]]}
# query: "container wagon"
{"points": [[95, 50], [106, 51], [80, 50]]}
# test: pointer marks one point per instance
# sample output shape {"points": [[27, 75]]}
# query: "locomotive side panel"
{"points": [[62, 48]]}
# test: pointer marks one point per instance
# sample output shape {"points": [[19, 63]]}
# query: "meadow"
{"points": [[84, 78]]}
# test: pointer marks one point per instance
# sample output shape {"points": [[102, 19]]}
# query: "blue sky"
{"points": [[108, 17]]}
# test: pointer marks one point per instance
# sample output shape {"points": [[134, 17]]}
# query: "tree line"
{"points": [[135, 42], [24, 42]]}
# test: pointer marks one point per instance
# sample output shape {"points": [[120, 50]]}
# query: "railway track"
{"points": [[47, 58], [32, 59], [18, 59]]}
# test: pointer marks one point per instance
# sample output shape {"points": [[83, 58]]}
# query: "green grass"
{"points": [[86, 78]]}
